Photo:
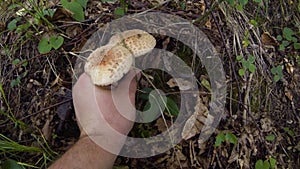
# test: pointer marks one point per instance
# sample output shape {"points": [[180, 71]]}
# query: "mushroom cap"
{"points": [[108, 64], [137, 41]]}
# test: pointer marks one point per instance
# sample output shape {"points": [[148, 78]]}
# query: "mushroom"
{"points": [[109, 63]]}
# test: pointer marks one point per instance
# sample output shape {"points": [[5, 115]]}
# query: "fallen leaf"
{"points": [[267, 39], [181, 83], [46, 130], [288, 94], [195, 123]]}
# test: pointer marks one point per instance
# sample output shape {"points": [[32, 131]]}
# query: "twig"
{"points": [[246, 98], [223, 40]]}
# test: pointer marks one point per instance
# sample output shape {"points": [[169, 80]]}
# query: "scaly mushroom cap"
{"points": [[137, 41], [108, 64]]}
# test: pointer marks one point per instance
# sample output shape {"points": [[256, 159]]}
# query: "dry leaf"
{"points": [[46, 130], [195, 123], [208, 23], [288, 94], [267, 39], [181, 83], [289, 67]]}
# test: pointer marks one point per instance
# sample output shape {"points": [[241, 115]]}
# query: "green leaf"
{"points": [[111, 1], [243, 2], [145, 93], [285, 43], [241, 72], [231, 138], [206, 84], [153, 114], [182, 5], [294, 39], [251, 58], [288, 33], [219, 139], [119, 11], [231, 2], [16, 61], [83, 3], [296, 45], [254, 23], [281, 47], [25, 63], [279, 38], [172, 106], [49, 12], [245, 43], [258, 1], [262, 164], [11, 164], [44, 46], [272, 162], [239, 57], [75, 8], [276, 78], [289, 131], [56, 41], [13, 24], [154, 106], [270, 137], [15, 82], [240, 7], [252, 68]]}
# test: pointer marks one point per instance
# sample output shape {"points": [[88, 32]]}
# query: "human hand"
{"points": [[101, 114]]}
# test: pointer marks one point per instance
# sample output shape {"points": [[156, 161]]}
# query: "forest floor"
{"points": [[258, 42]]}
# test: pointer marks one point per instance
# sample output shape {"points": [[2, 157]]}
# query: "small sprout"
{"points": [[46, 44], [254, 23], [267, 164], [16, 61], [288, 38], [277, 72], [296, 45], [247, 64], [219, 139], [119, 11], [279, 38], [288, 33], [289, 131], [270, 137], [228, 137], [15, 82], [260, 164], [272, 162]]}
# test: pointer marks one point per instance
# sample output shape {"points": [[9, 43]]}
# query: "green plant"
{"points": [[240, 4], [289, 131], [225, 137], [287, 38], [277, 72], [17, 80], [76, 7], [8, 146], [120, 11], [11, 164], [267, 164], [270, 137], [10, 114], [247, 64], [158, 104], [47, 43]]}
